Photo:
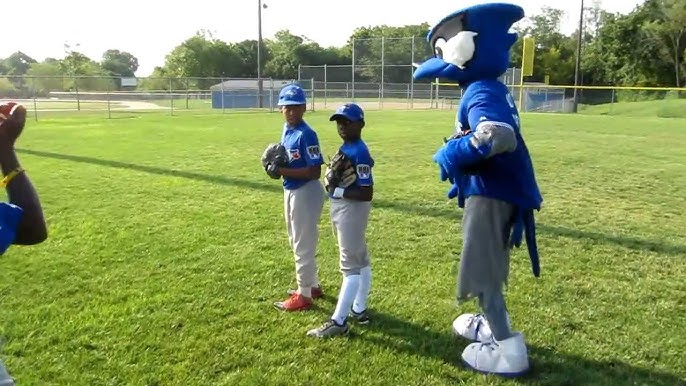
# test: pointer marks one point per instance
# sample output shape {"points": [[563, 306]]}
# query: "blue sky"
{"points": [[150, 29]]}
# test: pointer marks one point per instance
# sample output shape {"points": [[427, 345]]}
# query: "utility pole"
{"points": [[577, 68]]}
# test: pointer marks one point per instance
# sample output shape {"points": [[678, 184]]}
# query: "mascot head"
{"points": [[472, 43]]}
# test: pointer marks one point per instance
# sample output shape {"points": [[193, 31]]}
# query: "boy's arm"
{"points": [[21, 192], [359, 193], [306, 173], [363, 189]]}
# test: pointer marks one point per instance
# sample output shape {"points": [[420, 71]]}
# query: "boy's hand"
{"points": [[12, 121]]}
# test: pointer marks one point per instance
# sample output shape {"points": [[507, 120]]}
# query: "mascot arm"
{"points": [[491, 137]]}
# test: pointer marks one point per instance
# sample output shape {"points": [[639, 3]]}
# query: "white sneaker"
{"points": [[5, 379], [507, 358], [473, 327]]}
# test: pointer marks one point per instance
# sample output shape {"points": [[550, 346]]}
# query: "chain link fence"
{"points": [[45, 95], [379, 76], [326, 89]]}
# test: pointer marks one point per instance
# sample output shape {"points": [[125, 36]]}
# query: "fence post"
{"points": [[380, 97], [431, 95], [271, 94], [221, 88], [312, 84], [412, 76], [109, 108], [187, 93], [383, 65], [35, 104], [353, 69], [171, 98], [325, 84], [409, 97], [612, 101]]}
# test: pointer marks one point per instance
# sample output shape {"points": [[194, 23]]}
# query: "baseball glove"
{"points": [[457, 134], [274, 157], [340, 173]]}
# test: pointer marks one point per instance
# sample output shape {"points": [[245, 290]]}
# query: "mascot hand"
{"points": [[439, 159], [454, 190]]}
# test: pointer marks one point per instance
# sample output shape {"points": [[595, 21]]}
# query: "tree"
{"points": [[247, 52], [288, 51], [17, 63], [554, 54], [668, 31], [85, 73], [119, 63], [394, 46], [620, 54], [47, 76], [201, 57]]}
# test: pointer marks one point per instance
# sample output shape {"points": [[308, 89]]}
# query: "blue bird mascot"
{"points": [[492, 177]]}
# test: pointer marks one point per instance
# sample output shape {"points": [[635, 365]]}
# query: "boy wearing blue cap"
{"points": [[303, 196], [21, 219], [350, 186]]}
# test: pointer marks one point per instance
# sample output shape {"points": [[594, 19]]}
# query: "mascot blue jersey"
{"points": [[508, 176]]}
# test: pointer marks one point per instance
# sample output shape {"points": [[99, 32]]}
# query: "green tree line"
{"points": [[646, 47]]}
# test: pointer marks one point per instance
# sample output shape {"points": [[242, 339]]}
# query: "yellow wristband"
{"points": [[10, 176]]}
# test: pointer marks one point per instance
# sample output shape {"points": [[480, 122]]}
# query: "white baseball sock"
{"points": [[305, 291], [360, 303], [346, 298]]}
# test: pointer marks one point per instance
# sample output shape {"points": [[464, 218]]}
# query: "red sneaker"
{"points": [[296, 302], [316, 292]]}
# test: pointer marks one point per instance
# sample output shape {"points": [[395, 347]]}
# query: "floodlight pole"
{"points": [[577, 68], [259, 53]]}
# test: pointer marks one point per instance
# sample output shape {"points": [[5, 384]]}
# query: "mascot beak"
{"points": [[432, 68]]}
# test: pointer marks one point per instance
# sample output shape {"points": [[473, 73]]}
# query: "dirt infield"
{"points": [[88, 105]]}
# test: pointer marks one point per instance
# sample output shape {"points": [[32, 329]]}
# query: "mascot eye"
{"points": [[438, 47]]}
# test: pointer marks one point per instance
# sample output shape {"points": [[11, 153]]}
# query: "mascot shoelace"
{"points": [[492, 177]]}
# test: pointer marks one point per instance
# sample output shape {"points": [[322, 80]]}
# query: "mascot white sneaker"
{"points": [[507, 358], [474, 327], [492, 176]]}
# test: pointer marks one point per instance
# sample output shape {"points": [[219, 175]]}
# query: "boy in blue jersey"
{"points": [[21, 219], [350, 208], [303, 196]]}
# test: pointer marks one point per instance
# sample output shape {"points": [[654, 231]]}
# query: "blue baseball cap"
{"points": [[351, 111], [292, 95]]}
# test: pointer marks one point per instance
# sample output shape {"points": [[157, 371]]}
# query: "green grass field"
{"points": [[167, 247], [665, 108]]}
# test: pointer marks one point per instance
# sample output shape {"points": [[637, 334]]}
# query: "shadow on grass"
{"points": [[548, 366], [414, 208], [239, 182]]}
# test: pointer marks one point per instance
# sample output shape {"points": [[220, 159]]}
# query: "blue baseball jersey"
{"points": [[507, 176], [358, 152], [302, 145], [10, 215]]}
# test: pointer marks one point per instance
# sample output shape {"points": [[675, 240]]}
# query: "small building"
{"points": [[243, 93]]}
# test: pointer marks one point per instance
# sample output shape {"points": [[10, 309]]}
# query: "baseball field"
{"points": [[167, 247]]}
